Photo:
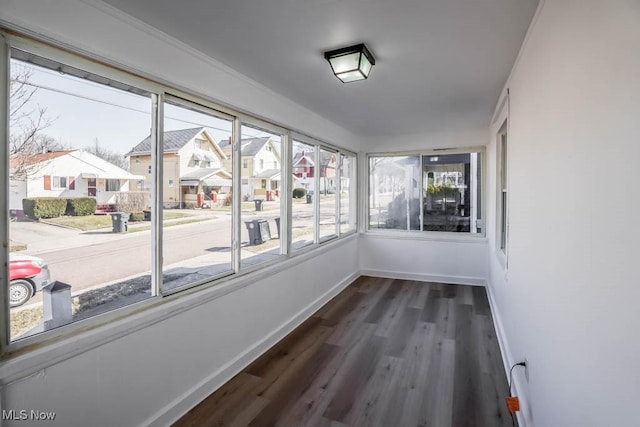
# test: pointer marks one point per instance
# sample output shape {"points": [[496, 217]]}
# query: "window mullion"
{"points": [[4, 183], [236, 176], [157, 141]]}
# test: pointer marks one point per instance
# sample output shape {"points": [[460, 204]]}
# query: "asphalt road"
{"points": [[100, 263]]}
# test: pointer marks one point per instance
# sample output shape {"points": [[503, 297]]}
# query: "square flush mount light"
{"points": [[351, 63]]}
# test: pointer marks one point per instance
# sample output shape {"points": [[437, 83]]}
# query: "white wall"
{"points": [[568, 302], [412, 257]]}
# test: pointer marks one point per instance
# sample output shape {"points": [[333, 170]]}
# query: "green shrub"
{"points": [[136, 216], [44, 207], [81, 206], [299, 193]]}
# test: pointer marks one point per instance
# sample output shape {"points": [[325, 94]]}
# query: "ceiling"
{"points": [[440, 64]]}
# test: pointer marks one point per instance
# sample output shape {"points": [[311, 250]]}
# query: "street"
{"points": [[205, 243]]}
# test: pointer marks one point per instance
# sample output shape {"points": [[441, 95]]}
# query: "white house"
{"points": [[70, 173]]}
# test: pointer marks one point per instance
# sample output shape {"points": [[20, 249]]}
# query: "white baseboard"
{"points": [[212, 382], [455, 280], [505, 351]]}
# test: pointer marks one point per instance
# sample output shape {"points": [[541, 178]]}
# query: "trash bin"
{"points": [[258, 203], [309, 199], [258, 230], [278, 226], [120, 222], [253, 229]]}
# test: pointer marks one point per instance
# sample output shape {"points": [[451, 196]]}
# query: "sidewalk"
{"points": [[40, 237]]}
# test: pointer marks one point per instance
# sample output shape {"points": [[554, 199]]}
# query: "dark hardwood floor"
{"points": [[382, 353]]}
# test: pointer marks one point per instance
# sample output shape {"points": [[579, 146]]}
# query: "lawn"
{"points": [[94, 222]]}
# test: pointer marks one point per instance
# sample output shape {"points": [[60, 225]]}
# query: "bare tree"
{"points": [[105, 154], [26, 123]]}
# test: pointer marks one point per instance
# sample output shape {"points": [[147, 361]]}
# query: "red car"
{"points": [[27, 275]]}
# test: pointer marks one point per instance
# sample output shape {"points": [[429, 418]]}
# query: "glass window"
{"points": [[260, 209], [197, 229], [394, 192], [112, 185], [451, 192], [303, 165], [348, 200], [99, 120], [328, 165], [503, 219]]}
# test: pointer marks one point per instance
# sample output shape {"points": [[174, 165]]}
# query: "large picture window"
{"points": [[201, 193], [434, 192], [70, 129]]}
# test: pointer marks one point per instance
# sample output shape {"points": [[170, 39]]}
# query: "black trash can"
{"points": [[309, 199], [120, 222], [278, 226], [258, 203], [253, 228]]}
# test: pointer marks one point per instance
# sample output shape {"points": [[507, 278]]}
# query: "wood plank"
{"points": [[381, 353]]}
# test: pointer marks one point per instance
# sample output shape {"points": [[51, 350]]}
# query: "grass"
{"points": [[25, 320], [94, 222]]}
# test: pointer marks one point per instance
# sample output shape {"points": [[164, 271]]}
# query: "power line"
{"points": [[147, 112]]}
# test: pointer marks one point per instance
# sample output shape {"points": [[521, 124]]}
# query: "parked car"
{"points": [[27, 275]]}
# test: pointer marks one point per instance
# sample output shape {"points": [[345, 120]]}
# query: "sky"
{"points": [[81, 111]]}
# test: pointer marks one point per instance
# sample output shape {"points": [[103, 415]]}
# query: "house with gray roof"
{"points": [[260, 167], [193, 163]]}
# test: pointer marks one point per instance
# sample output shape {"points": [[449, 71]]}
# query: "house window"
{"points": [[112, 185], [254, 251], [72, 91], [59, 182], [503, 211], [205, 254], [208, 163], [209, 254], [275, 165], [394, 192], [348, 201], [451, 192], [445, 196], [327, 218], [303, 214]]}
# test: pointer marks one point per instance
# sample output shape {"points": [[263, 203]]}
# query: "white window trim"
{"points": [[99, 329], [428, 235], [500, 124]]}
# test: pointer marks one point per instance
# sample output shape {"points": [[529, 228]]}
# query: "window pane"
{"points": [[394, 196], [69, 133], [197, 225], [302, 213], [347, 193], [451, 185], [260, 207], [328, 164]]}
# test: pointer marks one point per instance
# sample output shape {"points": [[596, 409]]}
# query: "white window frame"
{"points": [[158, 91], [59, 186], [426, 234], [500, 128]]}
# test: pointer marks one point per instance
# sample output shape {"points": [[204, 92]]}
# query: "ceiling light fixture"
{"points": [[351, 63]]}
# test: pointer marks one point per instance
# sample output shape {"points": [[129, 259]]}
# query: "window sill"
{"points": [[436, 236]]}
